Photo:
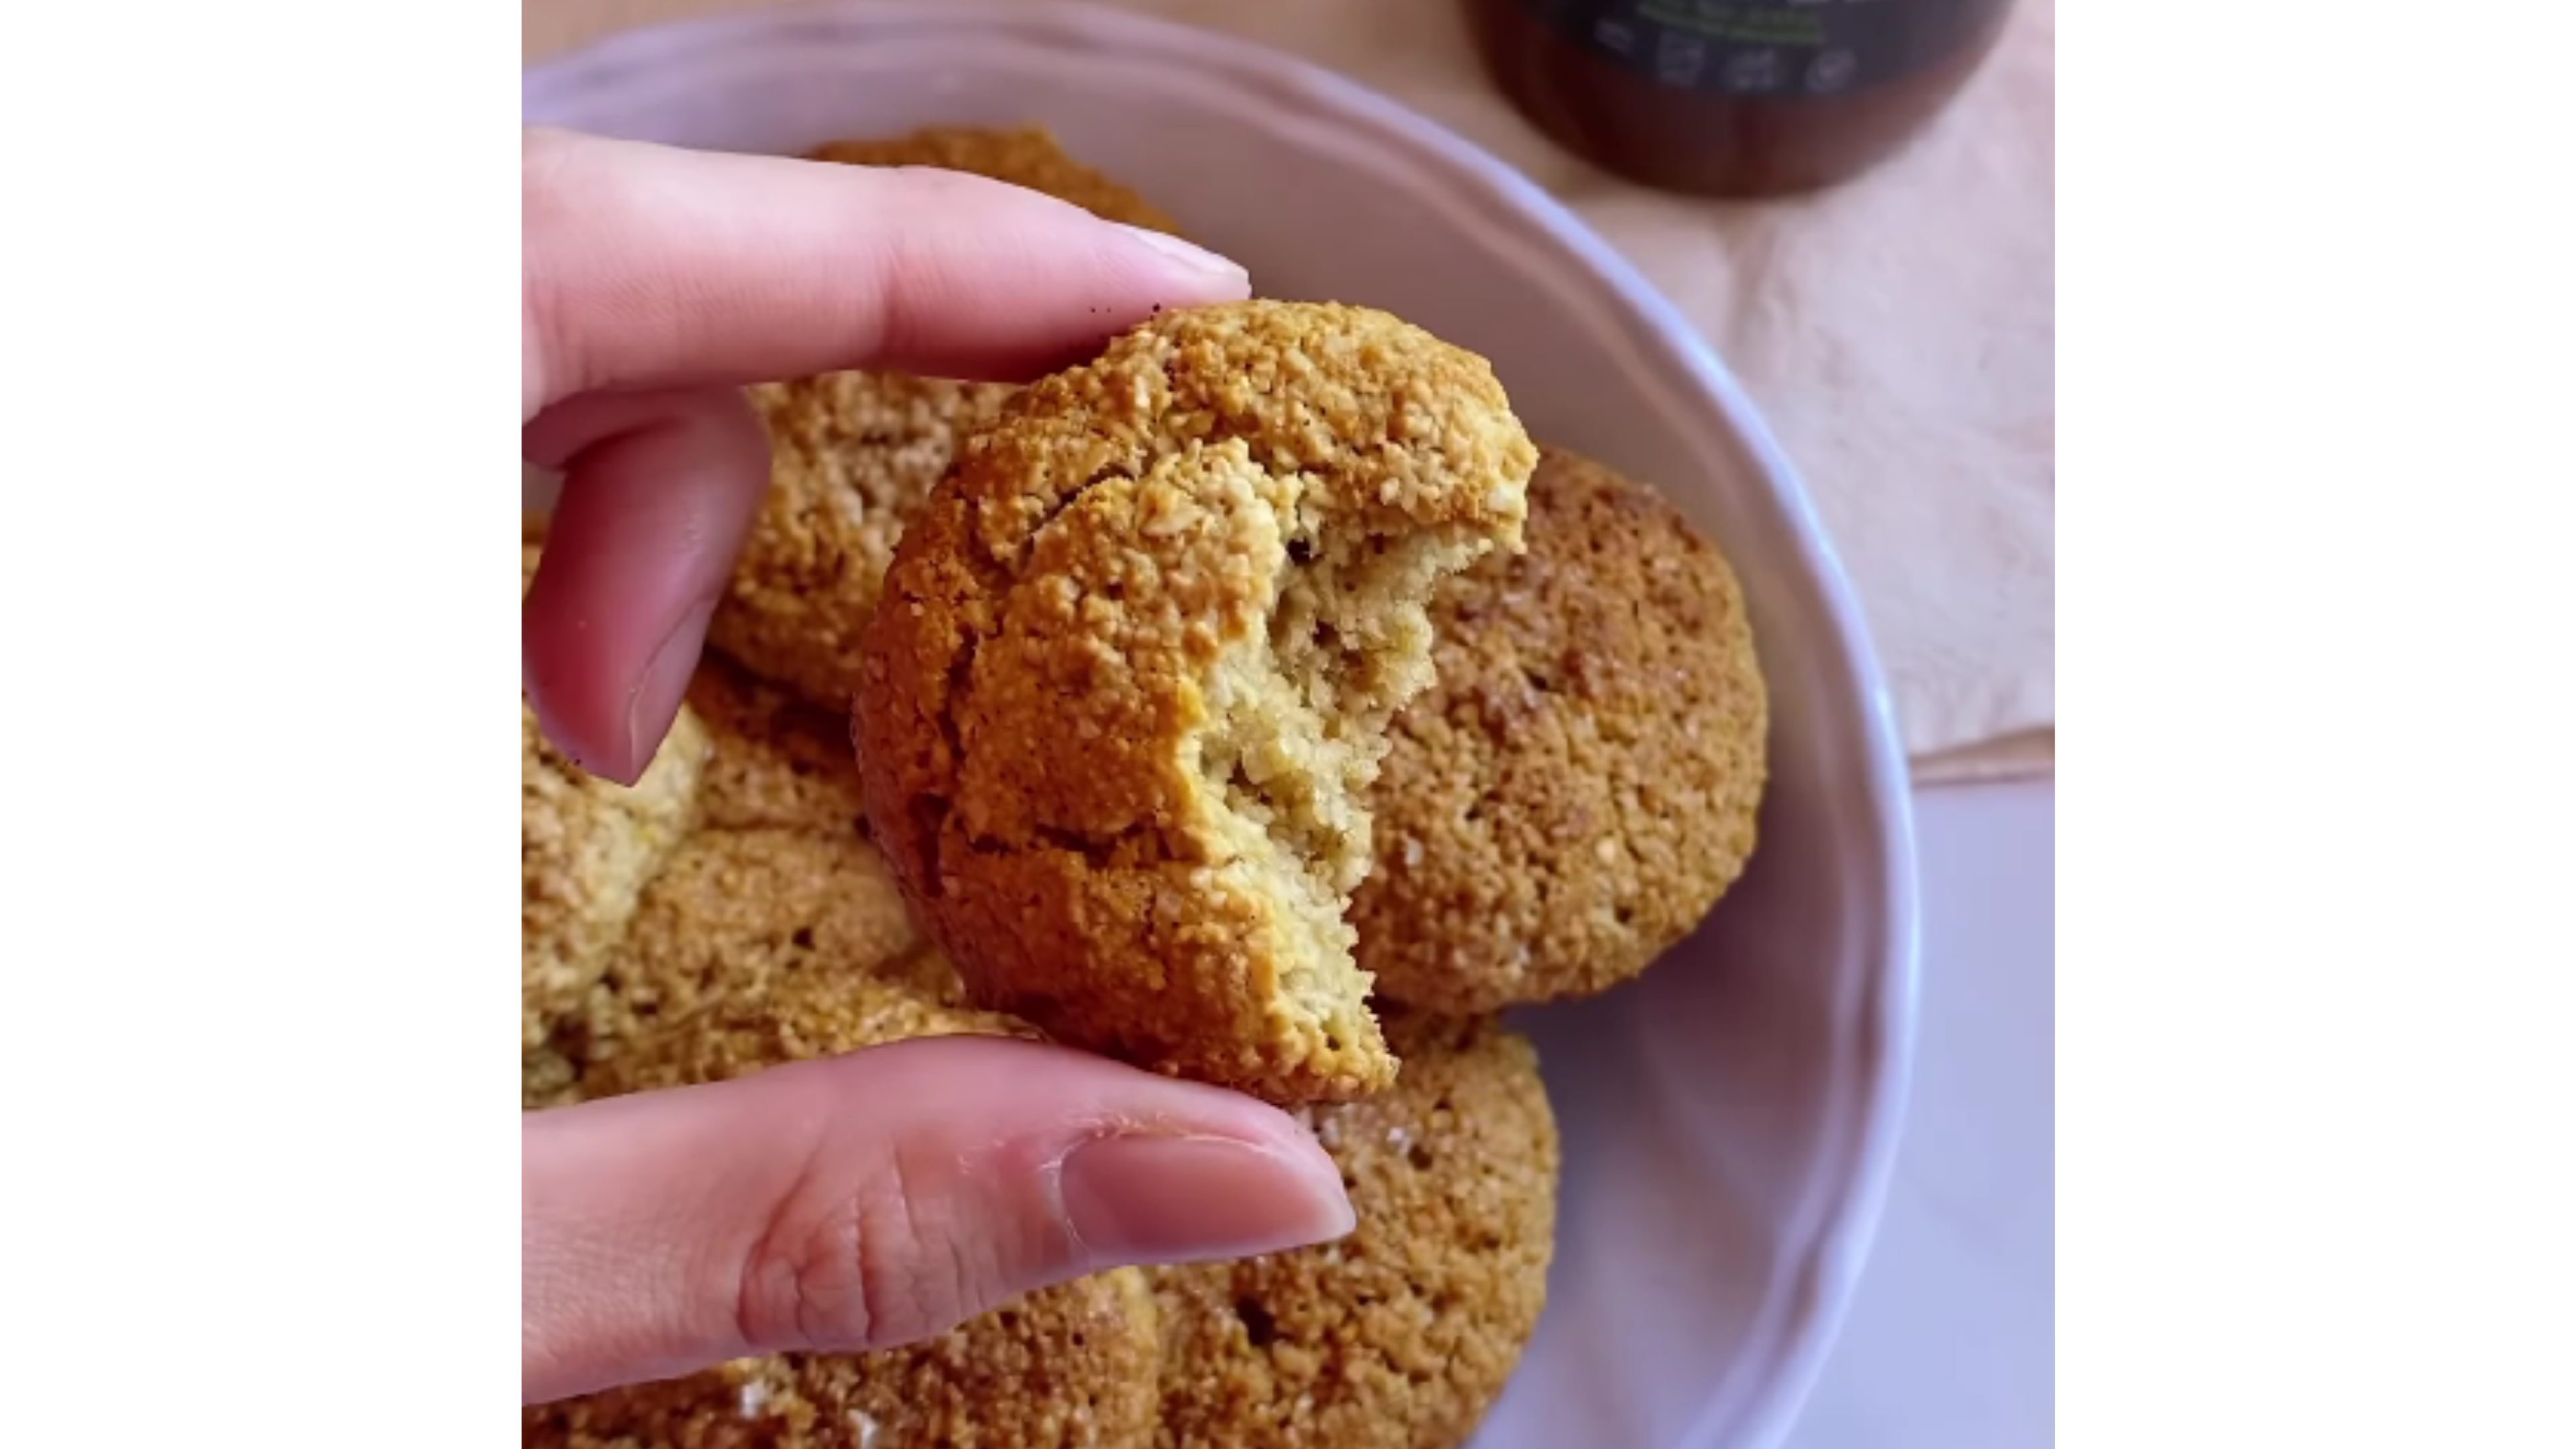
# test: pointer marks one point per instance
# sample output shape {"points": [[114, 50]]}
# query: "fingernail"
{"points": [[1194, 257], [656, 698], [1144, 1200]]}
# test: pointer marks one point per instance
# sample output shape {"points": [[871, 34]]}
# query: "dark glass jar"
{"points": [[1736, 98]]}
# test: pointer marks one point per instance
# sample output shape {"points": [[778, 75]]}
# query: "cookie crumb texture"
{"points": [[741, 858], [734, 914], [1077, 1364], [824, 1006], [854, 454], [1402, 1335], [1579, 787], [778, 761], [1129, 684], [1025, 156], [549, 1075]]}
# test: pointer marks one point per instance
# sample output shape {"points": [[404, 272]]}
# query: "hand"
{"points": [[656, 282], [885, 1196]]}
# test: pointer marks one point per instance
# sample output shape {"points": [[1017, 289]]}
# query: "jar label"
{"points": [[1774, 49]]}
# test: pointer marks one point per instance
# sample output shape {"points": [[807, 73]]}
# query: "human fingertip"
{"points": [[1203, 268], [606, 759], [1159, 1199], [655, 700]]}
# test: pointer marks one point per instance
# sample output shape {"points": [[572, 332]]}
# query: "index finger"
{"points": [[651, 267]]}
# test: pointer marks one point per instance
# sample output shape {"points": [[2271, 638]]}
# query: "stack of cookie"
{"points": [[1522, 762]]}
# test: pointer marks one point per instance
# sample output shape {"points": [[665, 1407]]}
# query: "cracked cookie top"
{"points": [[1130, 677], [855, 453]]}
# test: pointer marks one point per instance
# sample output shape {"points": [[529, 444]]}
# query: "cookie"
{"points": [[548, 1074], [854, 454], [731, 914], [1401, 1335], [777, 761], [1027, 156], [852, 457], [925, 971], [1130, 681], [1075, 1364], [586, 848], [823, 1006], [1579, 787]]}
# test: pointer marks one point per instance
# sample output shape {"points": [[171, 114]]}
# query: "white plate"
{"points": [[1729, 1120]]}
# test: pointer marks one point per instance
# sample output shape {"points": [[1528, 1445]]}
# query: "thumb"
{"points": [[871, 1200], [659, 491]]}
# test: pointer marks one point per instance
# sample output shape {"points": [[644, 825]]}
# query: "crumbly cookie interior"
{"points": [[1296, 727]]}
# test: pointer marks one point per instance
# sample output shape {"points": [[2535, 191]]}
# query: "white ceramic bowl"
{"points": [[1729, 1120]]}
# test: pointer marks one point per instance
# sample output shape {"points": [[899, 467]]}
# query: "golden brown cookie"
{"points": [[1072, 1366], [925, 972], [548, 1075], [586, 848], [778, 761], [1401, 1335], [820, 1006], [854, 454], [1027, 156], [1076, 1364], [1129, 684], [1579, 787], [730, 914], [772, 764]]}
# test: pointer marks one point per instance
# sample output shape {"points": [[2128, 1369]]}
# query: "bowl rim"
{"points": [[1826, 1284]]}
